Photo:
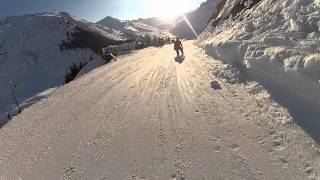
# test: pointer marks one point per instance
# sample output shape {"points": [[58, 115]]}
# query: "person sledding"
{"points": [[178, 47]]}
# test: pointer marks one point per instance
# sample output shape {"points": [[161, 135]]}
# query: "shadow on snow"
{"points": [[179, 59]]}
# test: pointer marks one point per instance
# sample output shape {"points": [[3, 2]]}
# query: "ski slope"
{"points": [[153, 116]]}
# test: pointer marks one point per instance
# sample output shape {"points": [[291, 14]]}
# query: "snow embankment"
{"points": [[43, 95], [90, 66], [5, 117], [278, 44], [282, 34]]}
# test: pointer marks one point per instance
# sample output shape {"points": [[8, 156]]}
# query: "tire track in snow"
{"points": [[137, 93]]}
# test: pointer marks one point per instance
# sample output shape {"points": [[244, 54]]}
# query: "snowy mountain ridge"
{"points": [[156, 22], [132, 29]]}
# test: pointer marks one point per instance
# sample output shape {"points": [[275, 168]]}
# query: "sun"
{"points": [[168, 10]]}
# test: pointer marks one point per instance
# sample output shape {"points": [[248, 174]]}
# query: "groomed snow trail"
{"points": [[147, 116]]}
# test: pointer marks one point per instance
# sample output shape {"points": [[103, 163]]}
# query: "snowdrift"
{"points": [[278, 42], [34, 52]]}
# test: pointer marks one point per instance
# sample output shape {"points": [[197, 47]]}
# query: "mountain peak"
{"points": [[109, 18]]}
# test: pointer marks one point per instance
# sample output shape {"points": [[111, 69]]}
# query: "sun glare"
{"points": [[169, 9]]}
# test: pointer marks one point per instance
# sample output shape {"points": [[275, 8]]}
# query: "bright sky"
{"points": [[95, 10]]}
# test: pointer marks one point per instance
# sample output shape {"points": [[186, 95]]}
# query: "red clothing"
{"points": [[178, 45]]}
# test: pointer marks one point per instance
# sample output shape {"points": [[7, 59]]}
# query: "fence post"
{"points": [[13, 95]]}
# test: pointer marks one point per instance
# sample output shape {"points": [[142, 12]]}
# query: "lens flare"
{"points": [[190, 25]]}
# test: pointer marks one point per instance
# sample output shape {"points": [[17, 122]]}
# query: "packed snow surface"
{"points": [[151, 115]]}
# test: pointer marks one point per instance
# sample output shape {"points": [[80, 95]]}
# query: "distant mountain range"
{"points": [[132, 29]]}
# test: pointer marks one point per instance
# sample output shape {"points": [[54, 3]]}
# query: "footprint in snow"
{"points": [[215, 85], [70, 171], [284, 162], [217, 148], [308, 169], [234, 147], [176, 177]]}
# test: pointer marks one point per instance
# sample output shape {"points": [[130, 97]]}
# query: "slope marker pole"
{"points": [[14, 95]]}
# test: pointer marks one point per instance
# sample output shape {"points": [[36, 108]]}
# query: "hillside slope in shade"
{"points": [[32, 54]]}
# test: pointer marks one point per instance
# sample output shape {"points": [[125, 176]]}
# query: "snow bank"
{"points": [[90, 66], [25, 104], [278, 42], [282, 33], [43, 95]]}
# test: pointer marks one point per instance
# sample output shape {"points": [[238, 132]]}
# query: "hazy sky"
{"points": [[95, 10]]}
